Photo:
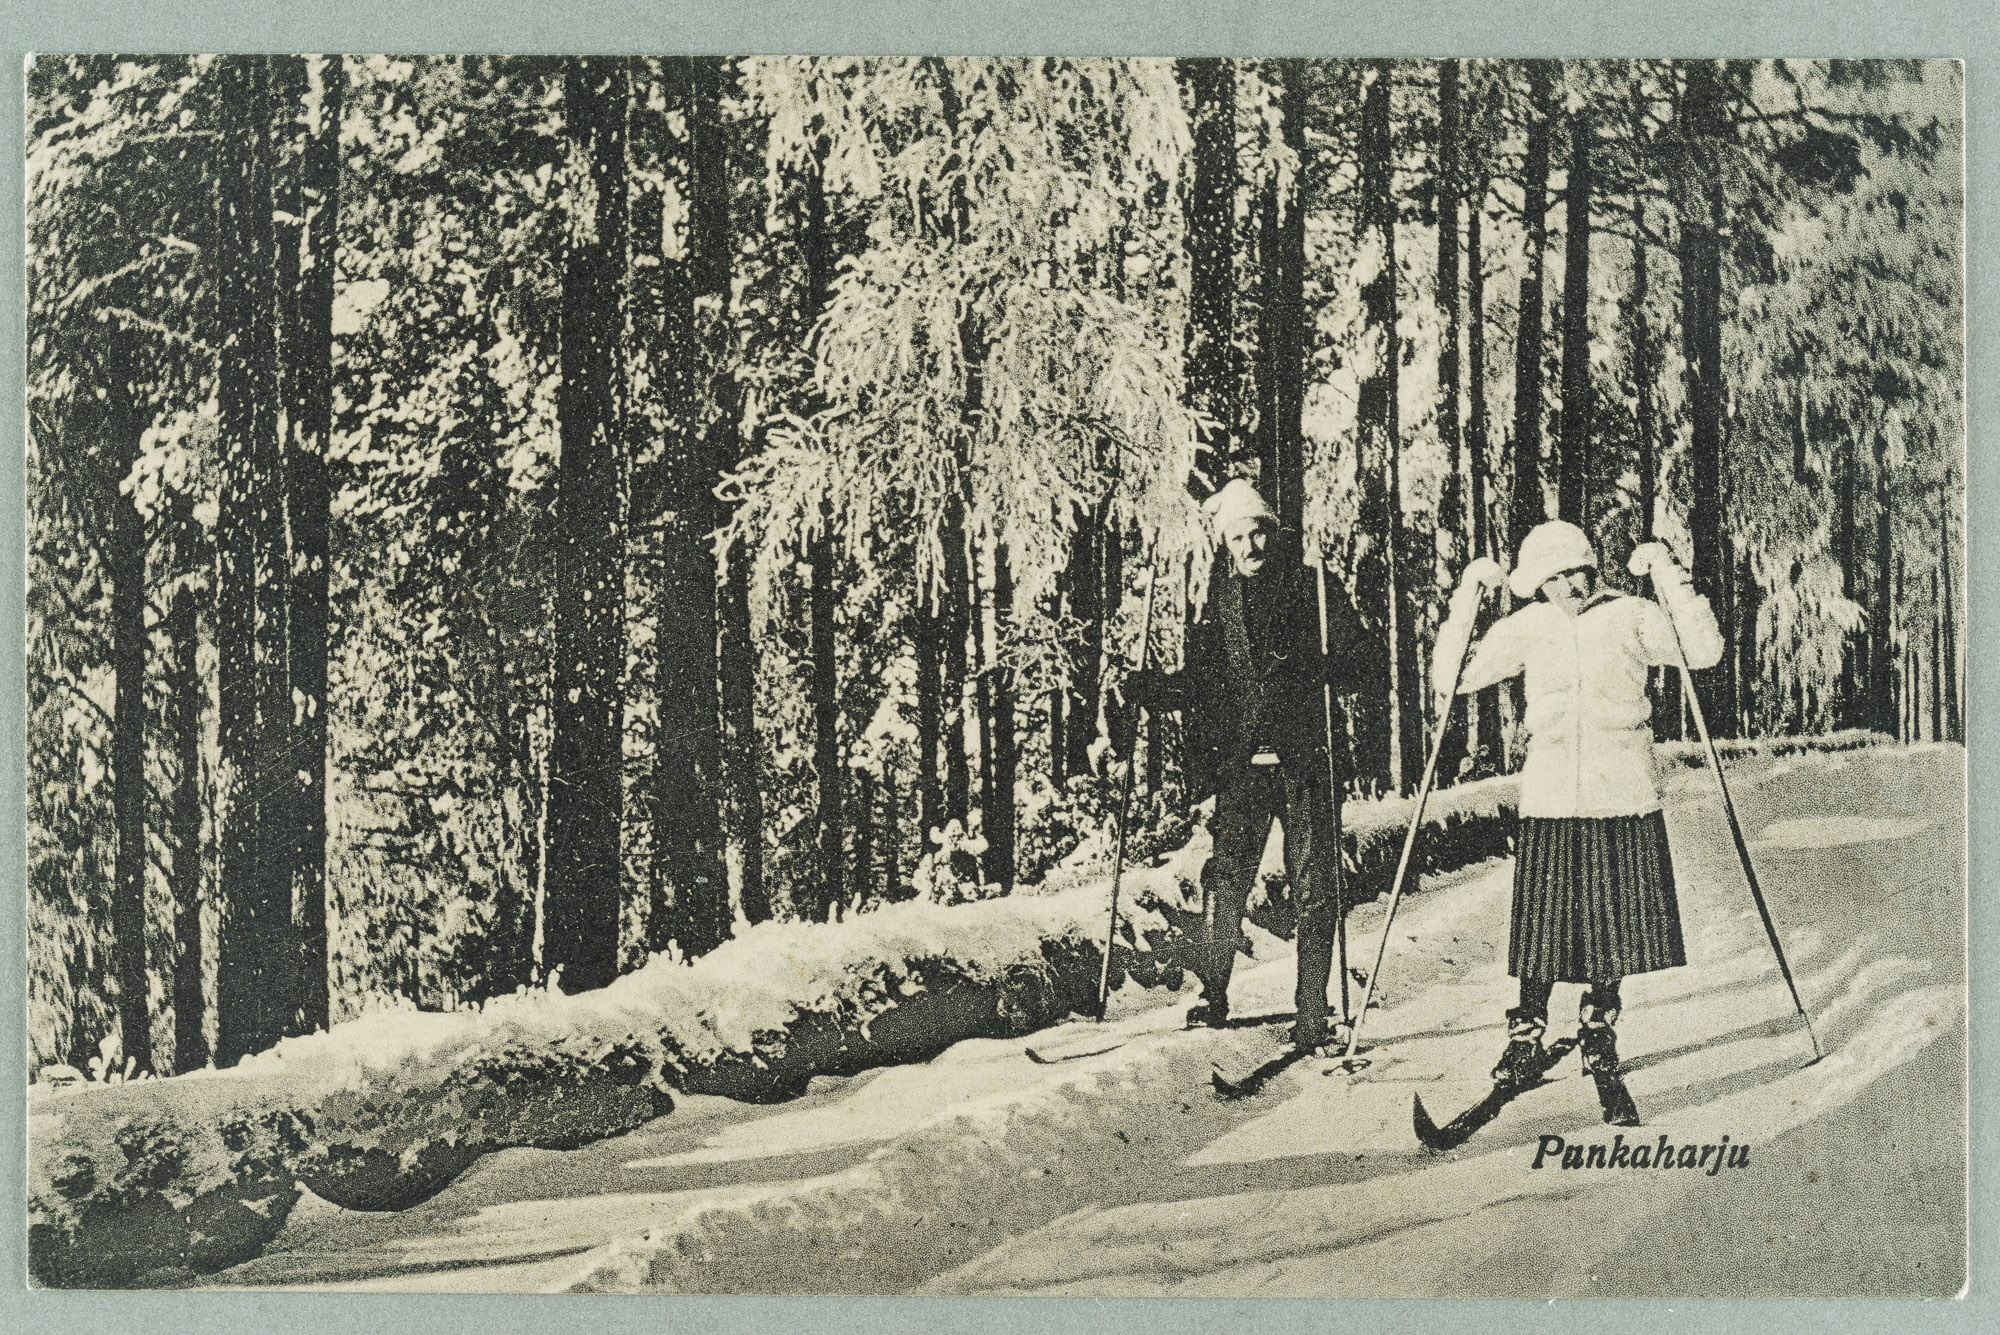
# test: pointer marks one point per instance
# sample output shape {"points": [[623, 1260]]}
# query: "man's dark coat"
{"points": [[1239, 661]]}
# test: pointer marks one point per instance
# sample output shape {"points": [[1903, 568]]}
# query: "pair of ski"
{"points": [[1246, 1084], [1612, 1096]]}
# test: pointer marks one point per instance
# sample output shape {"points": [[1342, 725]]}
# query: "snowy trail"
{"points": [[1118, 1173]]}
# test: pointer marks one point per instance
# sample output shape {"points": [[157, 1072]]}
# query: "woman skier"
{"points": [[1593, 882]]}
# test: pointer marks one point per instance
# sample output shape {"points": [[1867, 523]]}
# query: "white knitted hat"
{"points": [[1547, 551], [1237, 503]]}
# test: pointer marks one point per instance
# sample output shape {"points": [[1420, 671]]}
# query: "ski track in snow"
{"points": [[1119, 1173]]}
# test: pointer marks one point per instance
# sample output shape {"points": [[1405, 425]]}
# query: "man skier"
{"points": [[1252, 702], [1593, 881]]}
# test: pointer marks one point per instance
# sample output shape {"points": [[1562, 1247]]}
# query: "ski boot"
{"points": [[1525, 1060], [1600, 1058], [1211, 1013]]}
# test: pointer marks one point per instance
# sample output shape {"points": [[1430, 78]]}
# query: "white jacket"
{"points": [[1589, 724]]}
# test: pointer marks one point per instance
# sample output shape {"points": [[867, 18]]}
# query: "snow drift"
{"points": [[147, 1181]]}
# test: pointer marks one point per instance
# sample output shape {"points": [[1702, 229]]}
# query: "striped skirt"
{"points": [[1593, 899]]}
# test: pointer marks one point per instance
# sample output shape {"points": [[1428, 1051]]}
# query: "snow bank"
{"points": [[142, 1182], [948, 1189]]}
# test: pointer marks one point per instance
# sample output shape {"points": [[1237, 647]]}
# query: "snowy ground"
{"points": [[1120, 1173]]}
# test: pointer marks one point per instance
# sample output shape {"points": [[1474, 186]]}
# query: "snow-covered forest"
{"points": [[497, 521]]}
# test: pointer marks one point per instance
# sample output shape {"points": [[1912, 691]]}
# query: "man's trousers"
{"points": [[1245, 805]]}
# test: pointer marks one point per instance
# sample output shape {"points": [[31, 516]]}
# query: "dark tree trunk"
{"points": [[1948, 686], [865, 885], [1057, 606], [1852, 710], [1381, 451], [1528, 506], [746, 751], [1453, 525], [892, 839], [954, 618], [1664, 686], [184, 714], [1378, 756], [928, 634], [691, 357], [830, 834], [308, 374], [1282, 314], [982, 717], [1209, 85], [1086, 590], [737, 651], [999, 810], [1881, 656], [1699, 205], [582, 901], [1485, 706], [1936, 636], [257, 954], [1573, 475], [1749, 596], [1899, 651], [126, 421], [1452, 519]]}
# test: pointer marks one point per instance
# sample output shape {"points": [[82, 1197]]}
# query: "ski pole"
{"points": [[1338, 873], [1736, 826], [1403, 862], [1125, 796]]}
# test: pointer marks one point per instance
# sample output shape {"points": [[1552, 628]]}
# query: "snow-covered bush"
{"points": [[948, 871]]}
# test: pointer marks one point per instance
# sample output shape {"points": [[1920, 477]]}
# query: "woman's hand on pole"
{"points": [[1652, 558], [1481, 574], [1455, 636]]}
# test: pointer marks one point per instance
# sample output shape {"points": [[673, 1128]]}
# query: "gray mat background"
{"points": [[1958, 28]]}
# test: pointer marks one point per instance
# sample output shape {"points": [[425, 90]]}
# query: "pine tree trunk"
{"points": [[743, 755], [1484, 719], [1573, 476], [1377, 757], [1381, 445], [1699, 205], [1086, 590], [126, 557], [1881, 616], [308, 373], [865, 886], [582, 907], [830, 819], [690, 358], [1850, 707], [1528, 506], [184, 714], [982, 715], [1948, 686], [1056, 607], [1936, 637], [1209, 86], [746, 753], [892, 839], [256, 954], [953, 617], [828, 814], [928, 635], [1453, 525], [999, 808], [1283, 315], [1747, 601]]}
